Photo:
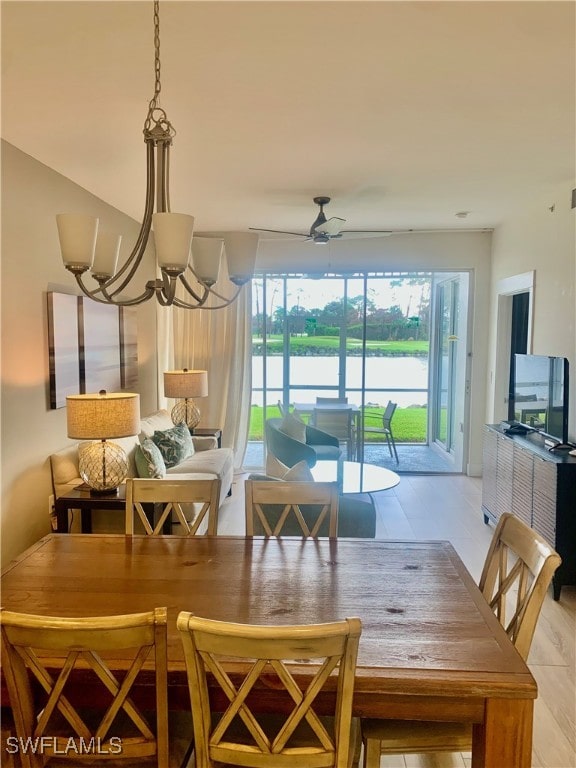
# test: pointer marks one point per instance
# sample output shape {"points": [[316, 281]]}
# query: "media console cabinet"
{"points": [[520, 475]]}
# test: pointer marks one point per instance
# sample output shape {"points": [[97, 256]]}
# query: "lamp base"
{"points": [[103, 466], [186, 410]]}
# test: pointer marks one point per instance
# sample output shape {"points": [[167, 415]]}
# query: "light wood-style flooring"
{"points": [[448, 507]]}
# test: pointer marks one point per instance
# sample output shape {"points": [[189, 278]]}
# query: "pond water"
{"points": [[389, 376]]}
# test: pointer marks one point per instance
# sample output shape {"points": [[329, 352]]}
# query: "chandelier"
{"points": [[182, 259]]}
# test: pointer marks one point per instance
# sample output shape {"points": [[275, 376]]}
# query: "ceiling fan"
{"points": [[323, 230]]}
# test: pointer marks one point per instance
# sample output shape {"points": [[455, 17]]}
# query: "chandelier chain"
{"points": [[157, 125]]}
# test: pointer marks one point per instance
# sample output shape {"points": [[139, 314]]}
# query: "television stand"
{"points": [[521, 475]]}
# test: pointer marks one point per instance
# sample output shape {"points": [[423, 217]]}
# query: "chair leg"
{"points": [[394, 446], [371, 753], [387, 436]]}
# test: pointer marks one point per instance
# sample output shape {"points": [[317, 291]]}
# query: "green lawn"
{"points": [[408, 426], [331, 345]]}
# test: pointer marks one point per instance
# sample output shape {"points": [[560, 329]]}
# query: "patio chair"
{"points": [[385, 429], [523, 581], [265, 658], [339, 422]]}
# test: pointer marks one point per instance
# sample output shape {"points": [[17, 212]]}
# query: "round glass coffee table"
{"points": [[355, 476]]}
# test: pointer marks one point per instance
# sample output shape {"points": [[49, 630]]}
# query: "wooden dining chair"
{"points": [[42, 656], [517, 572], [385, 428], [173, 494], [276, 508], [339, 422], [265, 660]]}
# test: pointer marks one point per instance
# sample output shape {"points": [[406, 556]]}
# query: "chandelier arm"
{"points": [[133, 261], [209, 288], [186, 305], [225, 301], [196, 296], [166, 289], [109, 299]]}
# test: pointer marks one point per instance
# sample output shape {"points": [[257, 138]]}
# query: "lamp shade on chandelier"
{"points": [[191, 264]]}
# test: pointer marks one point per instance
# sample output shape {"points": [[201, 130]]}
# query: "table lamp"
{"points": [[185, 385], [99, 417]]}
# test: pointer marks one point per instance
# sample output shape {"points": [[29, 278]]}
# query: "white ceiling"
{"points": [[405, 113]]}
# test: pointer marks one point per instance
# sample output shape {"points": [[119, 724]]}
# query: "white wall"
{"points": [[32, 194], [450, 251], [540, 238]]}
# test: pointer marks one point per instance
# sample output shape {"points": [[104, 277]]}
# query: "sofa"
{"points": [[318, 445], [207, 461]]}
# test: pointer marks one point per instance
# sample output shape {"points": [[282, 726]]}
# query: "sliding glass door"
{"points": [[449, 366], [365, 337]]}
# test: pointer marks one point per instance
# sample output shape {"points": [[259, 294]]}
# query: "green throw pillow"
{"points": [[175, 444], [149, 460]]}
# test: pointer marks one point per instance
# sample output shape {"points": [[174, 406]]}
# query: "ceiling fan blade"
{"points": [[279, 232], [331, 227], [366, 232]]}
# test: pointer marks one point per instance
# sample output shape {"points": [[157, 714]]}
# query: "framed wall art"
{"points": [[92, 346]]}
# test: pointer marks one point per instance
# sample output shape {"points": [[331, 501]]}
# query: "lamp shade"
{"points": [[77, 233], [103, 416], [206, 258], [173, 238], [106, 254], [241, 249], [185, 383]]}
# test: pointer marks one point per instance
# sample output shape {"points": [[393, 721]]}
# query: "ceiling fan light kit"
{"points": [[181, 259]]}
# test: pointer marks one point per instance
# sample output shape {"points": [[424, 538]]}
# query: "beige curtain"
{"points": [[218, 341]]}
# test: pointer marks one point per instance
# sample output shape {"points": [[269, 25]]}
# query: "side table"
{"points": [[208, 432], [81, 498]]}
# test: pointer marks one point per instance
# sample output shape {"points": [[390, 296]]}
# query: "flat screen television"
{"points": [[541, 394]]}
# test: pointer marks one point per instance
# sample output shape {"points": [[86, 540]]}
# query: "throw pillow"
{"points": [[293, 427], [175, 444], [149, 460], [274, 467], [299, 473]]}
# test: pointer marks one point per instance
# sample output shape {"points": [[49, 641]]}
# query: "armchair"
{"points": [[319, 445]]}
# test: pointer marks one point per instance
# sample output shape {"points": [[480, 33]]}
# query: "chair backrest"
{"points": [[282, 409], [173, 494], [262, 651], [518, 582], [32, 646], [305, 509], [388, 413], [336, 421], [328, 400]]}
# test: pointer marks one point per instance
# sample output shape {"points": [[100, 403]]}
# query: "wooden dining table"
{"points": [[430, 648]]}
